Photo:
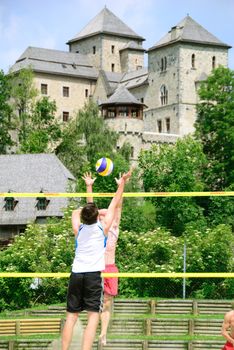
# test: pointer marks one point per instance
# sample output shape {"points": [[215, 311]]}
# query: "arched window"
{"points": [[193, 60], [213, 62], [164, 95]]}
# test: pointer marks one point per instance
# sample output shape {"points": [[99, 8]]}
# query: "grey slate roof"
{"points": [[111, 81], [106, 22], [132, 45], [122, 96], [31, 173], [189, 30], [56, 62], [135, 78]]}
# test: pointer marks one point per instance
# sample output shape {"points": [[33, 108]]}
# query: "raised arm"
{"points": [[76, 221], [111, 211], [225, 328], [89, 181]]}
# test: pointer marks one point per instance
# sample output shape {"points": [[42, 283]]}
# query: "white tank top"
{"points": [[90, 249]]}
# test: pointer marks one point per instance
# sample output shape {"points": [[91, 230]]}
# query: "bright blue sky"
{"points": [[51, 23]]}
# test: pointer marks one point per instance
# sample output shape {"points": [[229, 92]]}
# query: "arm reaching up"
{"points": [[111, 211], [89, 181]]}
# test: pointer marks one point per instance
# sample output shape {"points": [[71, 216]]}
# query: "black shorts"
{"points": [[85, 292]]}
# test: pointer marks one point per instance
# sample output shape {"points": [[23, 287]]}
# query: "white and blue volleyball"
{"points": [[104, 166]]}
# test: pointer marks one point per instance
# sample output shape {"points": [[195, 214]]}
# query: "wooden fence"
{"points": [[169, 307], [30, 326], [120, 344]]}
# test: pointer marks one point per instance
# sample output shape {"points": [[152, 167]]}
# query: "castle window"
{"points": [[111, 113], [65, 116], [142, 99], [132, 152], [159, 122], [123, 111], [10, 203], [163, 64], [134, 113], [168, 125], [94, 50], [213, 62], [86, 93], [112, 67], [44, 89], [112, 48], [65, 91], [193, 60], [164, 95]]}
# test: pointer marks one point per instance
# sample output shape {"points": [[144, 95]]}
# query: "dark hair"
{"points": [[89, 214]]}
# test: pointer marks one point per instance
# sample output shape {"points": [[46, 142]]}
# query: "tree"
{"points": [[42, 130], [85, 140], [98, 138], [175, 168], [23, 94], [215, 127], [5, 114]]}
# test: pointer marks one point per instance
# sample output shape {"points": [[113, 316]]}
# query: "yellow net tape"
{"points": [[126, 194], [123, 274]]}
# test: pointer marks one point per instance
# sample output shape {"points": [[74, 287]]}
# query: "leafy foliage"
{"points": [[175, 168], [5, 114], [42, 248], [159, 251], [42, 130], [215, 127]]}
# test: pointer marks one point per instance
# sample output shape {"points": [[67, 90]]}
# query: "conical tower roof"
{"points": [[106, 22], [122, 96], [189, 30]]}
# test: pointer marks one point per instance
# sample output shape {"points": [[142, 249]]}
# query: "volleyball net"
{"points": [[161, 284]]}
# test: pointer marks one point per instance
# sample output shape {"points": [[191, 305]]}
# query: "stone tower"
{"points": [[109, 43], [177, 63]]}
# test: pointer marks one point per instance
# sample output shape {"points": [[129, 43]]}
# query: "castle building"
{"points": [[105, 62]]}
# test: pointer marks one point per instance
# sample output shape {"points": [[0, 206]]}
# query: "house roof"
{"points": [[106, 22], [56, 62], [132, 45], [135, 78], [122, 96], [111, 81], [32, 173], [189, 30]]}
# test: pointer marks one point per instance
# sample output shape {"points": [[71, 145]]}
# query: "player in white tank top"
{"points": [[90, 249], [87, 240]]}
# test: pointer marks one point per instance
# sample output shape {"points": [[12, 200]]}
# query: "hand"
{"points": [[124, 178], [89, 181], [118, 181]]}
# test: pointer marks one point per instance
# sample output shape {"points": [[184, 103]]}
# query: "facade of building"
{"points": [[108, 54], [31, 173]]}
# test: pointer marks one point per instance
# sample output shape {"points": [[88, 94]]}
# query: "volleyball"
{"points": [[104, 166]]}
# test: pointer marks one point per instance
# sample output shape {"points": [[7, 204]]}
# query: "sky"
{"points": [[51, 23]]}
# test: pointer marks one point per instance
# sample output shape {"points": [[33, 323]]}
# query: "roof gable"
{"points": [[189, 30], [106, 22], [122, 96]]}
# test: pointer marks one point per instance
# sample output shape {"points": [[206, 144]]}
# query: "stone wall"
{"points": [[77, 92]]}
